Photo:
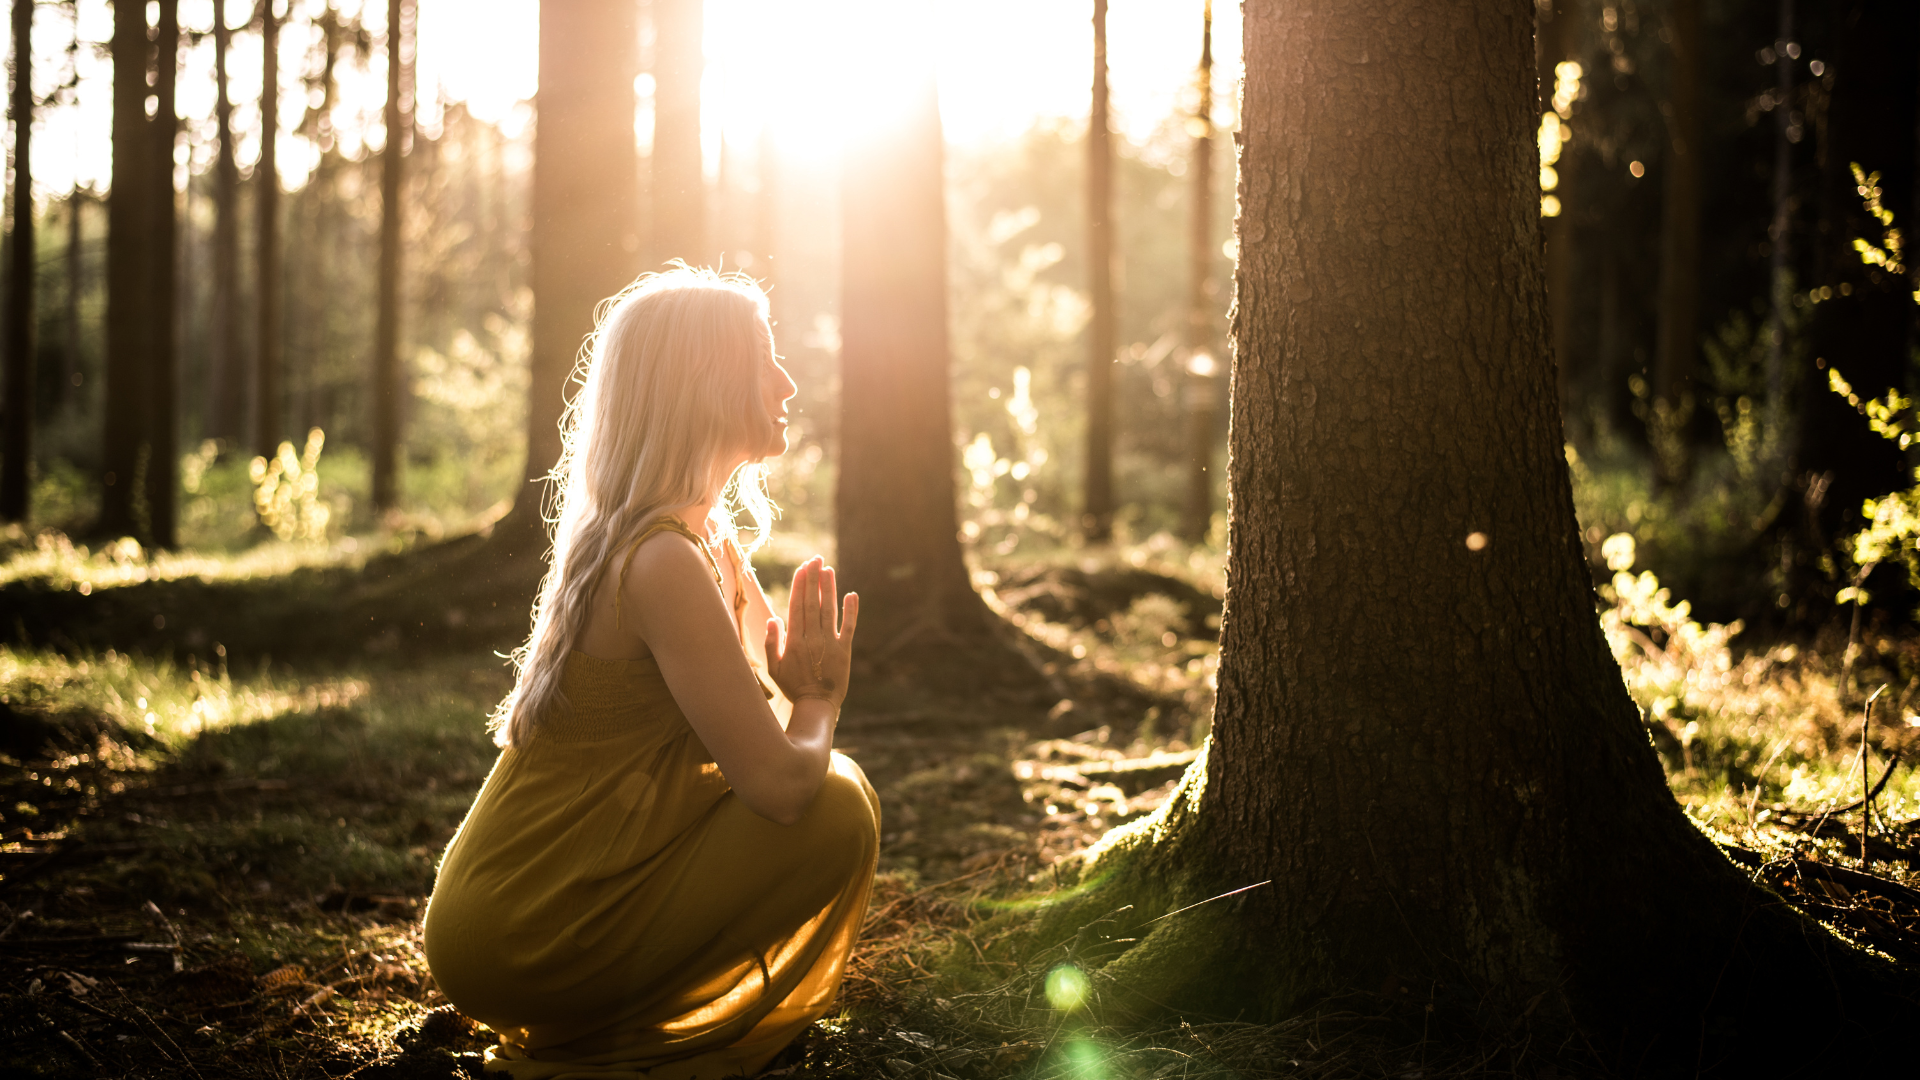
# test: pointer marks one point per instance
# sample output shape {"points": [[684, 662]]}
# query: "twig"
{"points": [[1760, 780], [1866, 790], [1211, 899]]}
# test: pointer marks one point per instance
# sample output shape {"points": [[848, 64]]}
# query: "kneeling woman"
{"points": [[668, 865]]}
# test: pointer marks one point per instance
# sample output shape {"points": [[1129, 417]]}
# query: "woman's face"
{"points": [[776, 389]]}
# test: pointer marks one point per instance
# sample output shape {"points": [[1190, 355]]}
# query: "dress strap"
{"points": [[668, 523]]}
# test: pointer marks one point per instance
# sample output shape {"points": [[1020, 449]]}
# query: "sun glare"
{"points": [[813, 69]]}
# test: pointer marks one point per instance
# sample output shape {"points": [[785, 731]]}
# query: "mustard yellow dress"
{"points": [[613, 910]]}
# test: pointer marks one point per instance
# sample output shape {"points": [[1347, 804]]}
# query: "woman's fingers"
{"points": [[849, 617], [829, 602], [776, 643]]}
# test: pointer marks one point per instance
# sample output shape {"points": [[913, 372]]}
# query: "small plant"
{"points": [[286, 491]]}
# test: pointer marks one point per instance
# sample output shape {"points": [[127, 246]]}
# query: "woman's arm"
{"points": [[686, 625], [755, 615]]}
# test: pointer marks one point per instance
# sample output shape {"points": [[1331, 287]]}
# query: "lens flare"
{"points": [[1067, 988]]}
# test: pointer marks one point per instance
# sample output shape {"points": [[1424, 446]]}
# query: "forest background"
{"points": [[1724, 189]]}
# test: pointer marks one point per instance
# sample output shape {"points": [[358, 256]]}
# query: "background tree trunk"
{"points": [[679, 177], [129, 244], [1422, 752], [584, 173], [16, 454], [387, 383], [163, 382], [1201, 365], [1096, 520], [270, 336], [897, 531], [227, 382], [70, 363], [1677, 350]]}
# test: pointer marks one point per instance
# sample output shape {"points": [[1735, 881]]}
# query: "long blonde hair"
{"points": [[670, 397]]}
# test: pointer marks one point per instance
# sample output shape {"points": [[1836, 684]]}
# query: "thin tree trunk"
{"points": [[766, 216], [227, 383], [387, 387], [269, 334], [163, 310], [16, 455], [1678, 345], [129, 246], [1779, 232], [1424, 767], [584, 179], [897, 530], [70, 376], [1201, 365], [1096, 518], [679, 178]]}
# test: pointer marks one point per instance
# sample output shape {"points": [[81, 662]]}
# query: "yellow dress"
{"points": [[612, 909]]}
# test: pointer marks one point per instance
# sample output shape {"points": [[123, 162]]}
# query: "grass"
{"points": [[279, 801]]}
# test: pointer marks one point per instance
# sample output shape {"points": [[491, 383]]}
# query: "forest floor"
{"points": [[225, 782]]}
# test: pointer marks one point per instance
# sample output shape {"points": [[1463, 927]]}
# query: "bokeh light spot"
{"points": [[1067, 988]]}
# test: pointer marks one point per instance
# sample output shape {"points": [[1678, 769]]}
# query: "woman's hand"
{"points": [[808, 656]]}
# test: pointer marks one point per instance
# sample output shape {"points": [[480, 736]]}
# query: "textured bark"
{"points": [[226, 370], [898, 534], [584, 172], [1200, 396], [387, 384], [129, 241], [1677, 350], [1096, 519], [269, 332], [16, 452], [163, 379], [1422, 750], [679, 177]]}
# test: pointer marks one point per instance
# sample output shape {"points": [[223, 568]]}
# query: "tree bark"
{"points": [[16, 454], [1677, 349], [129, 243], [1422, 752], [387, 384], [1201, 365], [227, 382], [162, 478], [70, 365], [1096, 519], [679, 177], [897, 530], [584, 173], [269, 331]]}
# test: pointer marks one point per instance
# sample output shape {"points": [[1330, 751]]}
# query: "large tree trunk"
{"points": [[16, 453], [584, 172], [1096, 519], [129, 244], [163, 271], [227, 383], [897, 531], [1200, 392], [387, 384], [269, 334], [679, 178], [1780, 230], [1676, 355], [1422, 752]]}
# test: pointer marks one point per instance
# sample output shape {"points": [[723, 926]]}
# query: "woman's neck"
{"points": [[695, 515]]}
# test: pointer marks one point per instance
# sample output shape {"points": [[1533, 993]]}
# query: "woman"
{"points": [[664, 874]]}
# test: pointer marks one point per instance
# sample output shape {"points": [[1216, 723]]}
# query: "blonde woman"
{"points": [[664, 874]]}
